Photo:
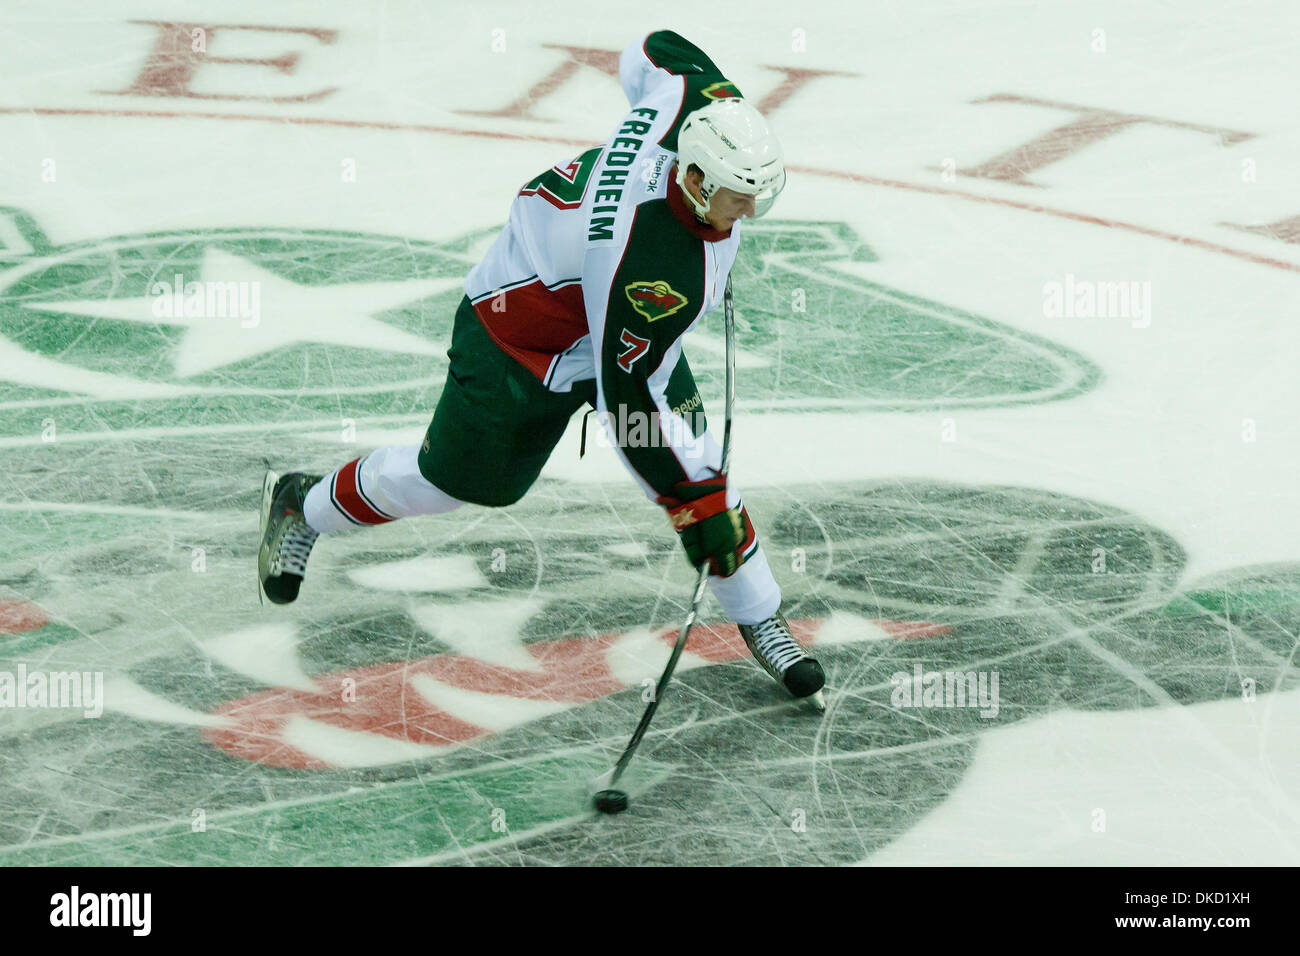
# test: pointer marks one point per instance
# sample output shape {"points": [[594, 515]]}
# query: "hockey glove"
{"points": [[709, 530]]}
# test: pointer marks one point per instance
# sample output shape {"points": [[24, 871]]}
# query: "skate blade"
{"points": [[268, 488], [818, 701]]}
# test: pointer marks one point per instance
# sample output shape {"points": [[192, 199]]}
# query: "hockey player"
{"points": [[606, 262]]}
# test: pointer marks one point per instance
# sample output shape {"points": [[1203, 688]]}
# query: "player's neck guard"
{"points": [[701, 230]]}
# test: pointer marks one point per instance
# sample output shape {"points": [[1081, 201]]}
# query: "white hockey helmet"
{"points": [[733, 146]]}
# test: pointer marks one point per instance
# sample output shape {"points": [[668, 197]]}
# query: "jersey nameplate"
{"points": [[613, 174]]}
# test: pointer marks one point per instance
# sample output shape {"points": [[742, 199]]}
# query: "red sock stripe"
{"points": [[348, 498]]}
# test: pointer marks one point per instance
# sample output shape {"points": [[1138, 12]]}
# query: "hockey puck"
{"points": [[611, 801]]}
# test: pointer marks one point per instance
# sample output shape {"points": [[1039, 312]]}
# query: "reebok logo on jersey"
{"points": [[726, 90], [636, 347], [654, 300]]}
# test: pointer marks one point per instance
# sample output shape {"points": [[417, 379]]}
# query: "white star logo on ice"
{"points": [[289, 313]]}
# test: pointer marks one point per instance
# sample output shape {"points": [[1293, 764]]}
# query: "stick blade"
{"points": [[604, 782]]}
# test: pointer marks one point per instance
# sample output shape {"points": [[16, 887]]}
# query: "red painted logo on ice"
{"points": [[18, 617], [392, 700]]}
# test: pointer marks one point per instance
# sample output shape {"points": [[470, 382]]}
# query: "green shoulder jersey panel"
{"points": [[673, 52], [656, 294], [704, 81]]}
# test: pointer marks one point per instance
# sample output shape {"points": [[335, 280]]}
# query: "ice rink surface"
{"points": [[1017, 400]]}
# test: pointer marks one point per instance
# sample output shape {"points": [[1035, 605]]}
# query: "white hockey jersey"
{"points": [[602, 267]]}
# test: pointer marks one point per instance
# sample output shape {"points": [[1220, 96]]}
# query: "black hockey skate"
{"points": [[776, 650], [286, 536]]}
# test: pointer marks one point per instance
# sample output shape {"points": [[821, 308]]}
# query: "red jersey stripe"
{"points": [[533, 324]]}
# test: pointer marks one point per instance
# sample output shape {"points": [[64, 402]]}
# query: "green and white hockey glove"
{"points": [[708, 529]]}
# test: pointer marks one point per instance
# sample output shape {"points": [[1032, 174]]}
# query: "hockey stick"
{"points": [[607, 799]]}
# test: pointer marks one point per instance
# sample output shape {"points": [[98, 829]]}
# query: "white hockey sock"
{"points": [[376, 489], [751, 595]]}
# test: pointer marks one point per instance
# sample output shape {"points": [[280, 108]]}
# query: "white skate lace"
{"points": [[774, 642], [295, 547]]}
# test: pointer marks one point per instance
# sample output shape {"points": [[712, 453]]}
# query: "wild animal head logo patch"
{"points": [[654, 300], [726, 90]]}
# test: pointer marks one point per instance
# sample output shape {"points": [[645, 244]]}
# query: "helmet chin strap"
{"points": [[701, 211]]}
